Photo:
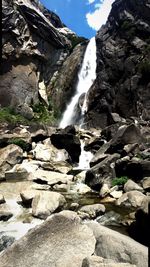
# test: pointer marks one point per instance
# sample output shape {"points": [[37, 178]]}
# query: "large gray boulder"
{"points": [[47, 152], [51, 178], [9, 156], [92, 211], [131, 185], [60, 241], [58, 166], [126, 134], [5, 212], [133, 199], [146, 183], [120, 248], [102, 172], [45, 203], [68, 141]]}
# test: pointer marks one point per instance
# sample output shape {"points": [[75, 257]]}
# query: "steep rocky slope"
{"points": [[41, 60], [36, 44], [123, 65]]}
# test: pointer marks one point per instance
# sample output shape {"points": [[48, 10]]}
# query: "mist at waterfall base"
{"points": [[74, 113]]}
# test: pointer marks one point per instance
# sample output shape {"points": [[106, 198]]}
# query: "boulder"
{"points": [[94, 144], [17, 173], [139, 229], [100, 154], [57, 166], [74, 206], [12, 190], [5, 212], [47, 152], [80, 176], [101, 173], [136, 168], [104, 191], [131, 185], [116, 194], [61, 187], [28, 195], [126, 134], [51, 178], [60, 241], [131, 148], [132, 199], [45, 203], [97, 158], [82, 188], [67, 141], [93, 211], [9, 156], [18, 136], [39, 134], [146, 183], [23, 171], [110, 131], [118, 247], [110, 218]]}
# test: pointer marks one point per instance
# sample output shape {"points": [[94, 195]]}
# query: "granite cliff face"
{"points": [[41, 58], [123, 65], [36, 44]]}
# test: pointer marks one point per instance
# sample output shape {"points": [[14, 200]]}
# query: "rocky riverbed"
{"points": [[42, 183]]}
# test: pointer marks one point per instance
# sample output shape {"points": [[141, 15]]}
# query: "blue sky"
{"points": [[84, 17]]}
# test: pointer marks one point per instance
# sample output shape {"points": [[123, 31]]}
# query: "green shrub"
{"points": [[75, 40], [7, 114], [119, 180], [43, 115]]}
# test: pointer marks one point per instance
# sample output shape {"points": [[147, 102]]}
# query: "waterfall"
{"points": [[86, 77], [85, 158]]}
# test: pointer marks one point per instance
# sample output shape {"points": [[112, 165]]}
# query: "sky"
{"points": [[84, 17]]}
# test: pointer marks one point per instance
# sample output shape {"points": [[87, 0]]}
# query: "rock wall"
{"points": [[35, 45], [123, 53]]}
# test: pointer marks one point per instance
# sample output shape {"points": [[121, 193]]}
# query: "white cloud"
{"points": [[100, 15], [91, 1]]}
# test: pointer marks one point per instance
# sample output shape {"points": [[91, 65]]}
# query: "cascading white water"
{"points": [[84, 158], [86, 78]]}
